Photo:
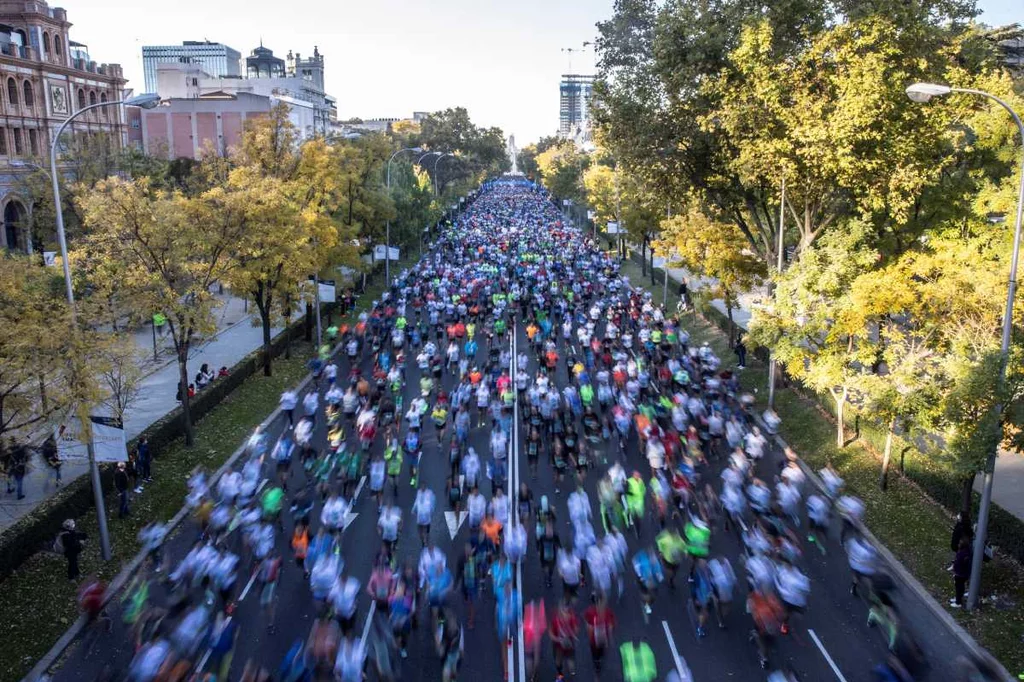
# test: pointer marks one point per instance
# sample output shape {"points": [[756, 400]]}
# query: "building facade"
{"points": [[574, 106], [298, 82], [181, 127], [215, 59], [45, 77]]}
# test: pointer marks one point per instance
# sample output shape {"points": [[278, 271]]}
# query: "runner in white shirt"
{"points": [[423, 509]]}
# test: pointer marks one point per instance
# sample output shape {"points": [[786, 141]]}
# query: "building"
{"points": [[186, 127], [261, 63], [574, 107], [215, 59], [1012, 52], [46, 77]]}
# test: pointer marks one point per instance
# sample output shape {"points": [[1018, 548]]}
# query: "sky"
{"points": [[501, 59]]}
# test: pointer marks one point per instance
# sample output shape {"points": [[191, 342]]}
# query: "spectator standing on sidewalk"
{"points": [[741, 354], [69, 543], [961, 571], [122, 486], [144, 460], [19, 466], [52, 459]]}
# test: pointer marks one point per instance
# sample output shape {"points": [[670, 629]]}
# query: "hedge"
{"points": [[37, 530]]}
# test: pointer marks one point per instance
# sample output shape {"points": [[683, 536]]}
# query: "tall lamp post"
{"points": [[387, 237], [147, 101], [923, 92], [437, 185]]}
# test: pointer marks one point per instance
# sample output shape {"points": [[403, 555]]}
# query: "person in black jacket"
{"points": [[71, 541], [122, 485]]}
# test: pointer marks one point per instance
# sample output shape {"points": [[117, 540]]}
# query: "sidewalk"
{"points": [[1009, 476], [236, 337]]}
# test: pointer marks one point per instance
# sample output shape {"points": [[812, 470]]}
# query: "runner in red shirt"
{"points": [[564, 628], [600, 624]]}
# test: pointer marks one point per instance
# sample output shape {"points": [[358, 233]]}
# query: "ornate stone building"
{"points": [[44, 78]]}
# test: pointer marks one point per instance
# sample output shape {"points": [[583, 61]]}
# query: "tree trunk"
{"points": [[883, 480], [650, 250], [186, 405], [967, 497], [840, 425], [42, 393], [643, 259], [732, 324], [308, 333], [288, 335], [267, 353]]}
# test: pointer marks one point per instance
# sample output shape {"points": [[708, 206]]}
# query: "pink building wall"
{"points": [[156, 132], [231, 125], [206, 130], [181, 129]]}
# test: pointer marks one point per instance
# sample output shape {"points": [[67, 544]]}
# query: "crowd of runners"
{"points": [[655, 457]]}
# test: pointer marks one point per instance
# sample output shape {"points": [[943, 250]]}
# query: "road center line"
{"points": [[672, 645], [831, 663], [248, 586], [368, 623]]}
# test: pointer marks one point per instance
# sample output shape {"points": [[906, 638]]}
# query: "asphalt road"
{"points": [[830, 642]]}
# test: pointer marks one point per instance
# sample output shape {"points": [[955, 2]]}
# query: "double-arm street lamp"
{"points": [[147, 101], [923, 92], [437, 185], [387, 237]]}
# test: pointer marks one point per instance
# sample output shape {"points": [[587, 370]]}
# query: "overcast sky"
{"points": [[501, 59]]}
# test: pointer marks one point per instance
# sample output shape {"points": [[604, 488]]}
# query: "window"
{"points": [[12, 91], [46, 44], [81, 98], [19, 146], [29, 99], [57, 49], [136, 123], [3, 141], [103, 97], [92, 97], [33, 142]]}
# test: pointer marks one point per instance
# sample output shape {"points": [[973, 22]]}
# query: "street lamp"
{"points": [[438, 161], [146, 101], [923, 92], [387, 238]]}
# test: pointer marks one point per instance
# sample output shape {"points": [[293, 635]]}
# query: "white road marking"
{"points": [[248, 586], [209, 652], [262, 484], [680, 664], [349, 518], [454, 522], [831, 663], [368, 623], [359, 489]]}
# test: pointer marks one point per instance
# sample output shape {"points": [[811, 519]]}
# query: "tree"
{"points": [[812, 325], [169, 250], [33, 352], [121, 374], [601, 185], [714, 250], [291, 230], [561, 170], [479, 152]]}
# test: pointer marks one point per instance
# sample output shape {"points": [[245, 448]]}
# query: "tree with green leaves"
{"points": [[561, 170]]}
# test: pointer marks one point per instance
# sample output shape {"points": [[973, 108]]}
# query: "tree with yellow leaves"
{"points": [[291, 232], [169, 251]]}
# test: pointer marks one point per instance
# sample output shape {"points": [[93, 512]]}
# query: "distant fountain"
{"points": [[513, 153]]}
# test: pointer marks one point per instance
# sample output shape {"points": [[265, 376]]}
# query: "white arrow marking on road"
{"points": [[349, 518], [454, 522], [831, 663]]}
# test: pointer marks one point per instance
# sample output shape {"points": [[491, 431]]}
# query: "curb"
{"points": [[116, 585], [905, 576]]}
